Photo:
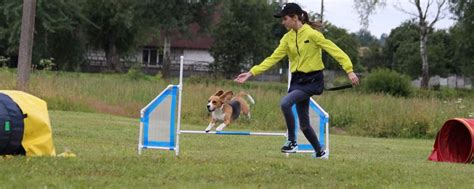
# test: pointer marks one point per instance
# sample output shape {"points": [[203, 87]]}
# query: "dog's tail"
{"points": [[251, 100]]}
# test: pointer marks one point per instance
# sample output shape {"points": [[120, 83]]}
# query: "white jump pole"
{"points": [[326, 134], [288, 88], [233, 133], [140, 136], [180, 87]]}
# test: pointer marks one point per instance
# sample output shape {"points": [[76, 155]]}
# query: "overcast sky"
{"points": [[342, 14]]}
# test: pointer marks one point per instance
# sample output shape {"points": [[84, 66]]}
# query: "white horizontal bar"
{"points": [[156, 147], [304, 151], [232, 133]]}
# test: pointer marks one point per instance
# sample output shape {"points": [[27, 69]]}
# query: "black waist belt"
{"points": [[303, 78]]}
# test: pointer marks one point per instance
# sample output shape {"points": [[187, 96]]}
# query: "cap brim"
{"points": [[278, 15]]}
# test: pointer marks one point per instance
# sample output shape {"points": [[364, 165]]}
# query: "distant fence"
{"points": [[453, 81], [96, 63], [202, 68], [199, 68]]}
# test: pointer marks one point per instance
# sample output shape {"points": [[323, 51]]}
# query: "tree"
{"points": [[365, 8], [365, 37], [401, 51], [121, 26], [463, 35], [26, 44], [10, 25], [115, 30], [373, 57], [370, 52], [322, 11], [441, 54], [341, 37], [241, 38], [463, 49], [59, 33], [179, 16], [348, 43], [57, 25], [424, 27], [4, 42]]}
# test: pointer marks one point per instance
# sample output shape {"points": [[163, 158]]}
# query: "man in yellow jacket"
{"points": [[303, 46]]}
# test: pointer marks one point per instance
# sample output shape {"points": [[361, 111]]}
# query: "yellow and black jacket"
{"points": [[303, 48]]}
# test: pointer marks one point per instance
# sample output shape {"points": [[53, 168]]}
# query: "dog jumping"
{"points": [[226, 108]]}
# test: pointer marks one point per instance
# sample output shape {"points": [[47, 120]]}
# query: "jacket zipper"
{"points": [[297, 50]]}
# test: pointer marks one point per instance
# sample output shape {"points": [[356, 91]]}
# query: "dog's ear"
{"points": [[227, 96], [219, 93]]}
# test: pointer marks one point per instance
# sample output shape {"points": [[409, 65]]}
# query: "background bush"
{"points": [[389, 82]]}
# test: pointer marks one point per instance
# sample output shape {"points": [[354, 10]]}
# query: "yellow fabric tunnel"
{"points": [[27, 130]]}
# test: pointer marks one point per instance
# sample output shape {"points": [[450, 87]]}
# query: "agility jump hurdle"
{"points": [[160, 123]]}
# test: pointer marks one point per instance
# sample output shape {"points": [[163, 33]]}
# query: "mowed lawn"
{"points": [[106, 149]]}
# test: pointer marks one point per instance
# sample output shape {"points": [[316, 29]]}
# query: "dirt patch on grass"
{"points": [[338, 131], [128, 109]]}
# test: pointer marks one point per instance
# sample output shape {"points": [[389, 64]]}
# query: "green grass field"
{"points": [[106, 149]]}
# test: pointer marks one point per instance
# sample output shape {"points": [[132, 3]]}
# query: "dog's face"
{"points": [[217, 100]]}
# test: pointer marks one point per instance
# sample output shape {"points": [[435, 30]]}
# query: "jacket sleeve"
{"points": [[333, 50], [276, 56]]}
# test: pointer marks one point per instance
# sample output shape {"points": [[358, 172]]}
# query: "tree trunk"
{"points": [[26, 44], [112, 56], [166, 68], [425, 76], [322, 12]]}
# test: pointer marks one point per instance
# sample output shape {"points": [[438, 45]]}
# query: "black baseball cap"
{"points": [[288, 9]]}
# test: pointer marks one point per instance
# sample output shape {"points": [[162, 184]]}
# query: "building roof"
{"points": [[195, 38]]}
